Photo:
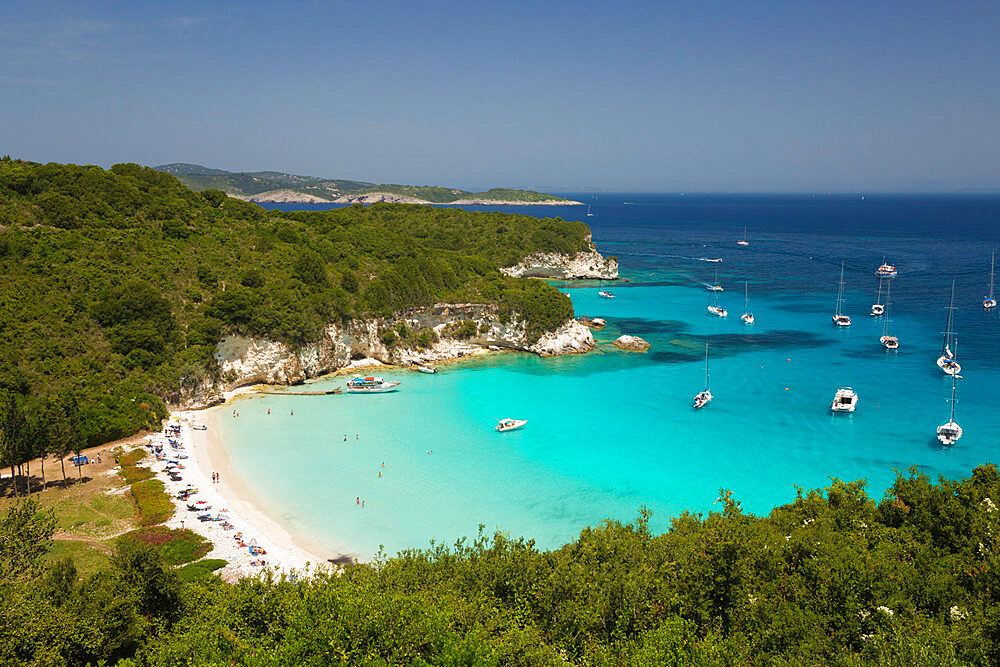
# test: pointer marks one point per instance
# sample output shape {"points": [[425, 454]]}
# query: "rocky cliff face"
{"points": [[246, 360], [587, 264]]}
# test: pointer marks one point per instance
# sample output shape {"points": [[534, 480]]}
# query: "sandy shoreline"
{"points": [[205, 456]]}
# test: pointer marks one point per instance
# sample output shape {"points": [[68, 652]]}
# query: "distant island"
{"points": [[278, 187]]}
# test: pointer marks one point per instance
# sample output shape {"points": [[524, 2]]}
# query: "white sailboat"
{"points": [[839, 318], [877, 307], [747, 316], [589, 214], [950, 432], [604, 292], [989, 301], [704, 397], [745, 241], [714, 307], [715, 287], [947, 362], [888, 341]]}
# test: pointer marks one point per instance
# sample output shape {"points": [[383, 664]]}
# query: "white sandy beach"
{"points": [[204, 458]]}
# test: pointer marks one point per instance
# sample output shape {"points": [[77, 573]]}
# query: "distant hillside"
{"points": [[274, 186]]}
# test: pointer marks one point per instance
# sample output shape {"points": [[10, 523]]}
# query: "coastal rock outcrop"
{"points": [[282, 197], [245, 360], [584, 264], [627, 342]]}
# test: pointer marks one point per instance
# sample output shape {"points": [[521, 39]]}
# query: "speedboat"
{"points": [[509, 424], [424, 369], [845, 400], [370, 385], [886, 270]]}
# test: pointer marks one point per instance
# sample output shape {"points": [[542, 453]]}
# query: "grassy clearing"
{"points": [[88, 556], [131, 472], [200, 569], [176, 546], [152, 502]]}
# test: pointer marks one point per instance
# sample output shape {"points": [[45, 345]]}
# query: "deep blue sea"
{"points": [[612, 431]]}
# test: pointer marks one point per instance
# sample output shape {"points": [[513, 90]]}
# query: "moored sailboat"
{"points": [[839, 318], [950, 432], [604, 292], [745, 241], [888, 341], [948, 361], [878, 308], [704, 397], [747, 316], [989, 301]]}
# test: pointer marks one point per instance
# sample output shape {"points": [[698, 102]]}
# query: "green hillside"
{"points": [[119, 283], [200, 178]]}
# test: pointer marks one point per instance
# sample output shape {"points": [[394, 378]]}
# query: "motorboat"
{"points": [[989, 301], [877, 308], [747, 316], [370, 385], [509, 424], [424, 369], [704, 397], [839, 318], [950, 432], [888, 341], [199, 427], [845, 400], [886, 270], [745, 241], [948, 361]]}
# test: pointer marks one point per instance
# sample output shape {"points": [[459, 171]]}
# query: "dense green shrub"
{"points": [[151, 502]]}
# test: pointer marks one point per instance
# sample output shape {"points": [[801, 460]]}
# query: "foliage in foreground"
{"points": [[832, 578]]}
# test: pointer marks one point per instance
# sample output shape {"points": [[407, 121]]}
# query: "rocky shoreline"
{"points": [[288, 196]]}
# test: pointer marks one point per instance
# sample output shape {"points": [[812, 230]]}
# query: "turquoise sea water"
{"points": [[612, 431]]}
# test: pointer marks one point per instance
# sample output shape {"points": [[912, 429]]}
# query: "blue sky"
{"points": [[665, 96]]}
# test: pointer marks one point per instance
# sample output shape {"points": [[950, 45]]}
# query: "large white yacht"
{"points": [[845, 400], [370, 385]]}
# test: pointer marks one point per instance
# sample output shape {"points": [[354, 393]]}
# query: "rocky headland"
{"points": [[588, 264]]}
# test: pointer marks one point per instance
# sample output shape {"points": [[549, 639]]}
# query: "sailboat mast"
{"points": [[706, 365], [746, 296], [947, 332], [992, 260], [840, 292], [885, 322]]}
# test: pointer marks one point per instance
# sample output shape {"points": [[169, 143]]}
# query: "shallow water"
{"points": [[612, 431]]}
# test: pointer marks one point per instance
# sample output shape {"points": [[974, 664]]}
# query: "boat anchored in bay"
{"points": [[950, 432], [845, 400], [888, 341], [989, 301], [509, 424], [747, 316], [948, 361], [704, 397], [604, 292], [839, 318], [886, 270], [370, 385]]}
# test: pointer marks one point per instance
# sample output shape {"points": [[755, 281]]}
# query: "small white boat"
{"points": [[888, 341], [745, 241], [845, 400], [510, 424], [704, 397], [989, 301], [948, 361], [950, 432], [747, 316], [589, 214], [604, 292], [886, 270], [370, 385], [719, 311], [839, 318], [424, 369]]}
